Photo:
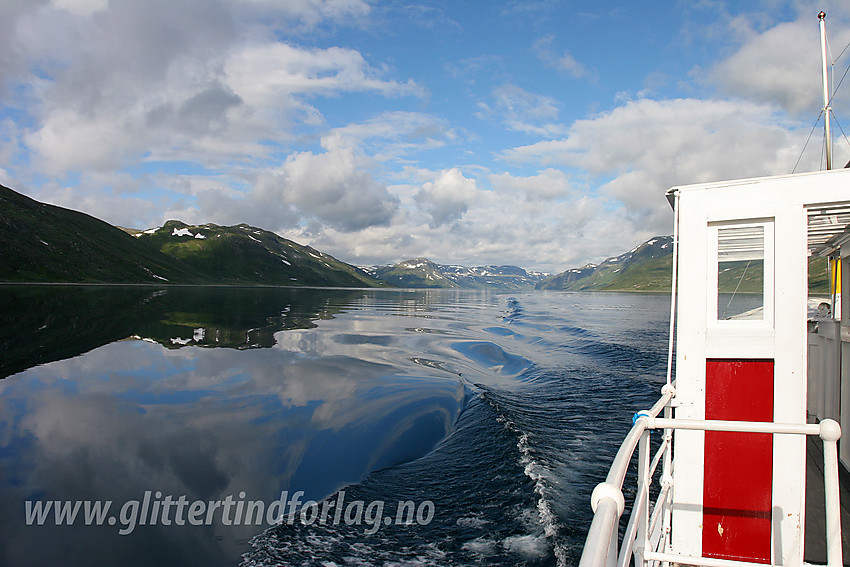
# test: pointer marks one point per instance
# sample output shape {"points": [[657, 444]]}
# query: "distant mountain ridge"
{"points": [[646, 267], [46, 243], [423, 273]]}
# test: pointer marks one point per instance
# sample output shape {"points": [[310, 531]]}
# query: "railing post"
{"points": [[607, 501], [643, 540], [600, 550], [642, 536], [612, 549], [667, 478], [830, 432]]}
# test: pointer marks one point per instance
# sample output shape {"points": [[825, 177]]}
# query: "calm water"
{"points": [[489, 416]]}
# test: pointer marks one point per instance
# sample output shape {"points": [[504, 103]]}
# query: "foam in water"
{"points": [[481, 546], [527, 546], [530, 546], [475, 521]]}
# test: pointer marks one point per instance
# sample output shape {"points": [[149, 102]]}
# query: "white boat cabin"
{"points": [[756, 372]]}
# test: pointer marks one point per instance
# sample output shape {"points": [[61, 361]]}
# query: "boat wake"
{"points": [[490, 498], [509, 483], [545, 514]]}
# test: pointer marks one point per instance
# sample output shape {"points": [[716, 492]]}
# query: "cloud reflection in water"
{"points": [[320, 409]]}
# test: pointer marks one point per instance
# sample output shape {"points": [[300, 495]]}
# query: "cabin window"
{"points": [[740, 273]]}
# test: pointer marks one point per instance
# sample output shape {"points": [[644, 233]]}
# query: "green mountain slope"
{"points": [[649, 268], [645, 268], [45, 243], [244, 254]]}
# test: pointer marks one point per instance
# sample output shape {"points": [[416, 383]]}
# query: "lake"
{"points": [[263, 426]]}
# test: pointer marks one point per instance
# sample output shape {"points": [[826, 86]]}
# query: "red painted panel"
{"points": [[738, 466]]}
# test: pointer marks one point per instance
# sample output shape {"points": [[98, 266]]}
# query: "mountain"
{"points": [[46, 243], [423, 273], [644, 268], [418, 272], [648, 267], [244, 254]]}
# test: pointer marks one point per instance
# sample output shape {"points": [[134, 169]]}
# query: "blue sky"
{"points": [[536, 133]]}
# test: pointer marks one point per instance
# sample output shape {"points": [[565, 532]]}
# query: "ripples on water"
{"points": [[502, 410]]}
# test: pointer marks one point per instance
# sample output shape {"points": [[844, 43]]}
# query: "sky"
{"points": [[538, 133]]}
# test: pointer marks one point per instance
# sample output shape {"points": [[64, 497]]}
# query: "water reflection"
{"points": [[316, 409], [40, 324]]}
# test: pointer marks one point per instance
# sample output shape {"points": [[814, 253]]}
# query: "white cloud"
{"points": [[767, 55], [473, 69], [539, 221], [448, 197], [195, 114], [563, 62], [99, 197], [282, 127], [129, 84], [392, 135], [336, 188], [548, 184], [81, 7], [523, 111], [780, 66], [646, 146], [305, 15], [333, 188], [260, 74]]}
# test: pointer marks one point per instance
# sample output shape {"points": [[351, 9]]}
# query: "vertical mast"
{"points": [[827, 133]]}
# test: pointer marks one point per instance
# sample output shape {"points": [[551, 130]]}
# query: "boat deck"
{"points": [[815, 544]]}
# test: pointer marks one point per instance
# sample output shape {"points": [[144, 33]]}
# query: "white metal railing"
{"points": [[608, 502], [647, 534]]}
